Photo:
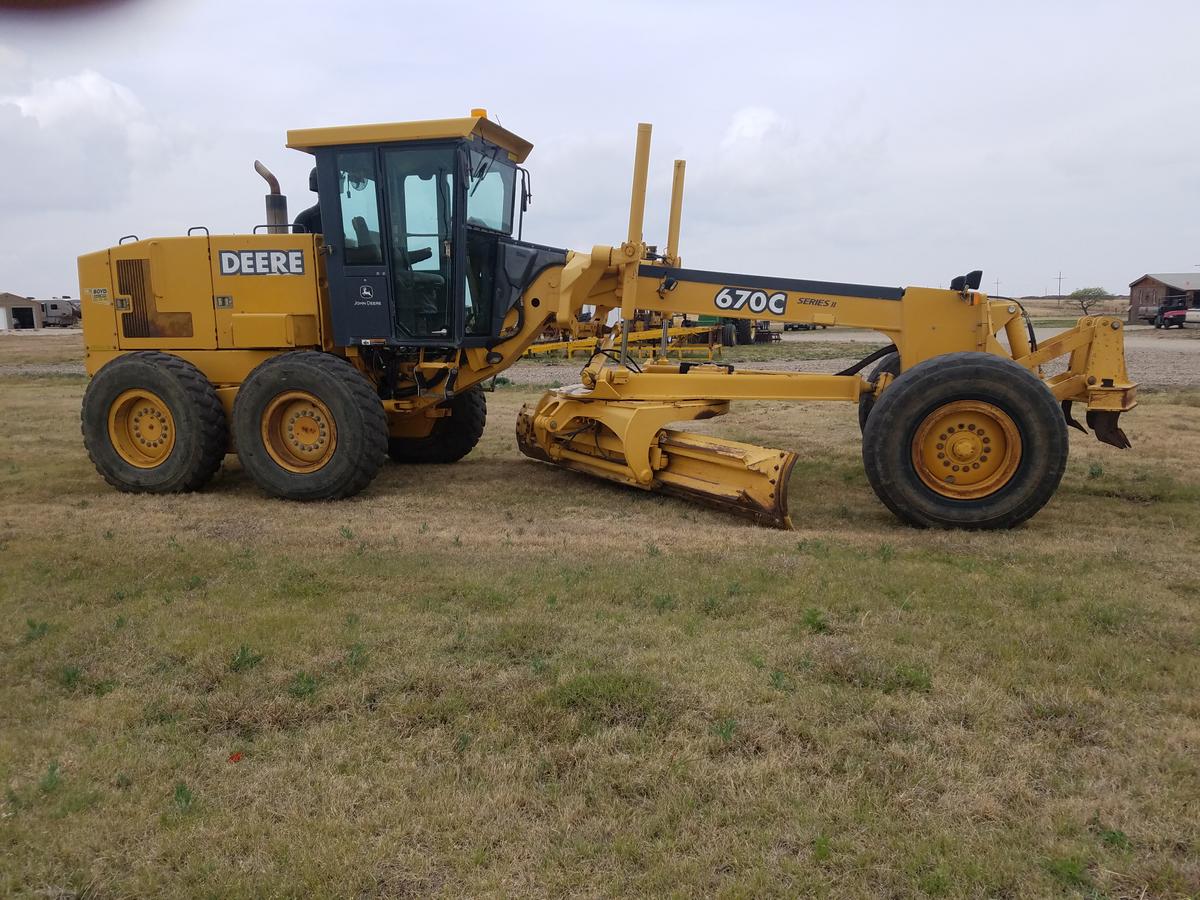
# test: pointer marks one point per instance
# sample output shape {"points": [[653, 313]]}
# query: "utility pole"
{"points": [[1060, 278], [997, 294]]}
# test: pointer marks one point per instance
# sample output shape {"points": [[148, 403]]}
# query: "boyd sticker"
{"points": [[262, 262], [756, 301]]}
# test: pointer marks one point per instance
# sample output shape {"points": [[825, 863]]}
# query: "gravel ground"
{"points": [[1155, 358], [33, 370]]}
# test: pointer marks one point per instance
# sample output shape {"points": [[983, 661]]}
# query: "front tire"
{"points": [[309, 426], [152, 424], [965, 440], [452, 437]]}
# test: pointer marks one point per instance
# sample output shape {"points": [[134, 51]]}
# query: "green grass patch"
{"points": [[608, 699]]}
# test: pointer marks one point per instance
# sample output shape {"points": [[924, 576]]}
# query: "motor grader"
{"points": [[315, 356]]}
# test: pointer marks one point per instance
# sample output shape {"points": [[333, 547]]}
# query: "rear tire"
{"points": [[309, 426], [745, 331], [866, 402], [992, 416], [453, 436], [152, 424]]}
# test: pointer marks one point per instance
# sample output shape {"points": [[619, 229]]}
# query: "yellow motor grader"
{"points": [[368, 328]]}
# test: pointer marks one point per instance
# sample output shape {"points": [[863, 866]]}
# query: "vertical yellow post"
{"points": [[641, 170], [633, 248], [676, 214]]}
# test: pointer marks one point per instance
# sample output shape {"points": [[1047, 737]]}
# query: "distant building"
{"points": [[19, 312], [1151, 291]]}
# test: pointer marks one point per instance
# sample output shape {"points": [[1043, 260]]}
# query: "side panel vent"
{"points": [[144, 320]]}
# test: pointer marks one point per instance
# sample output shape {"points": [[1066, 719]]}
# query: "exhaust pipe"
{"points": [[277, 213]]}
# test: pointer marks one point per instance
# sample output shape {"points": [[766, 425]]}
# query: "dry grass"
{"points": [[48, 347], [501, 678], [1069, 309]]}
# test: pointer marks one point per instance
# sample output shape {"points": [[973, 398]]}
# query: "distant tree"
{"points": [[1086, 298]]}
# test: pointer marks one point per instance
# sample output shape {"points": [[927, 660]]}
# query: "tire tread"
{"points": [[368, 463], [214, 429], [891, 417]]}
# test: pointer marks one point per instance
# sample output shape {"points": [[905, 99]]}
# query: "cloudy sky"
{"points": [[882, 142]]}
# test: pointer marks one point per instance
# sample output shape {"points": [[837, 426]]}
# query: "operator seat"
{"points": [[422, 294], [367, 249]]}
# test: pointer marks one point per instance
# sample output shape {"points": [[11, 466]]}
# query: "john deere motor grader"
{"points": [[316, 356]]}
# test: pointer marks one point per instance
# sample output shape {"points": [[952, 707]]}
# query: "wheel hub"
{"points": [[966, 449], [298, 431], [141, 428]]}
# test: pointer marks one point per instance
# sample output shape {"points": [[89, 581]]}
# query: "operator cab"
{"points": [[418, 222]]}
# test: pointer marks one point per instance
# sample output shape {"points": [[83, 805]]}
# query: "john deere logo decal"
{"points": [[262, 262]]}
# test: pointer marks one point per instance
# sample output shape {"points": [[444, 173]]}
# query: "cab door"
{"points": [[420, 191], [359, 289], [388, 214]]}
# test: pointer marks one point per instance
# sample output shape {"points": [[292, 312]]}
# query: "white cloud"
{"points": [[88, 93], [753, 126], [74, 142]]}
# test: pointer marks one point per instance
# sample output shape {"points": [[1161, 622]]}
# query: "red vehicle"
{"points": [[1171, 318], [1171, 314]]}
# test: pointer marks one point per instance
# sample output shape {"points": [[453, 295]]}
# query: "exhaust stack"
{"points": [[277, 212]]}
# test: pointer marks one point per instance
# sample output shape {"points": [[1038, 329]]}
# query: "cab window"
{"points": [[490, 190], [359, 201]]}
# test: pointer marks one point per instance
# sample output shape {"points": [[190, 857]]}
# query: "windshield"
{"points": [[490, 190]]}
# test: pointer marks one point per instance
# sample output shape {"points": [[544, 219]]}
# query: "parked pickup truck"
{"points": [[1192, 317], [1167, 315]]}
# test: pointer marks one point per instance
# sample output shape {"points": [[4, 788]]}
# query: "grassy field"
{"points": [[48, 347], [498, 678]]}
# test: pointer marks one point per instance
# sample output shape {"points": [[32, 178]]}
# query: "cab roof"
{"points": [[309, 139]]}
